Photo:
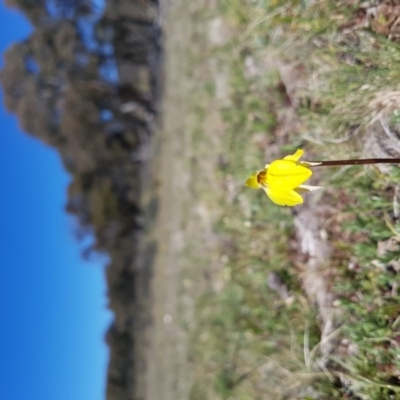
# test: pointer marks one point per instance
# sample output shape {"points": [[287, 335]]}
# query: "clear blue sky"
{"points": [[52, 304]]}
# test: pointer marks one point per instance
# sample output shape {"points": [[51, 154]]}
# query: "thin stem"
{"points": [[357, 162]]}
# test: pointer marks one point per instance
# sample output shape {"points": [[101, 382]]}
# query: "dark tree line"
{"points": [[86, 83]]}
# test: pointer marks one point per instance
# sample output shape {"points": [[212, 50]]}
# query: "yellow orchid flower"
{"points": [[282, 180]]}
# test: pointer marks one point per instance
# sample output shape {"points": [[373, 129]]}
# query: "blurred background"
{"points": [[74, 127], [53, 302]]}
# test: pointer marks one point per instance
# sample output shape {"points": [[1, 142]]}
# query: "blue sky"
{"points": [[53, 304]]}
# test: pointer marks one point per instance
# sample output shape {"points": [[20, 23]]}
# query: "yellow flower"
{"points": [[282, 180]]}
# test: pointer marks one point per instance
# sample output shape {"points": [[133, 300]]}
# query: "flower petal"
{"points": [[252, 181], [307, 188], [309, 163], [284, 198], [285, 175], [296, 156]]}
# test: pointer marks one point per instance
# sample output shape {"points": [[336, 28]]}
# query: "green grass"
{"points": [[368, 295], [249, 342]]}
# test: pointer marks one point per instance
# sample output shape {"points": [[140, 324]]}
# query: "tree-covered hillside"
{"points": [[86, 83]]}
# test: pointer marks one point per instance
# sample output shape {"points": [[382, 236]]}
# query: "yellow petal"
{"points": [[285, 175], [296, 156], [252, 181], [284, 198]]}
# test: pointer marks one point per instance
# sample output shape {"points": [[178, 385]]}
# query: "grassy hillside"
{"points": [[323, 77]]}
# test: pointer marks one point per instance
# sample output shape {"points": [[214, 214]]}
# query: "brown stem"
{"points": [[358, 162]]}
